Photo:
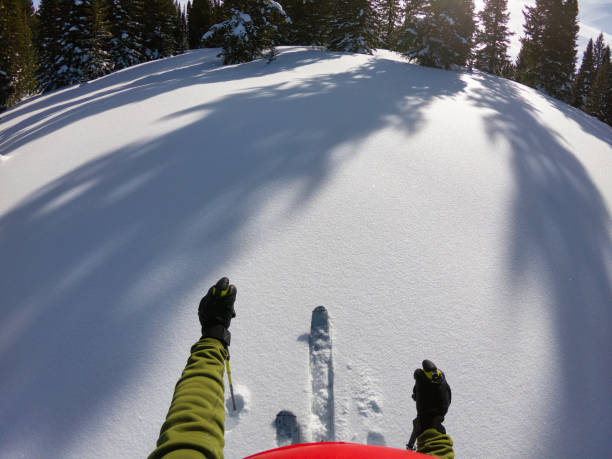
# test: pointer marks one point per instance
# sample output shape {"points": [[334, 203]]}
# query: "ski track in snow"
{"points": [[360, 412]]}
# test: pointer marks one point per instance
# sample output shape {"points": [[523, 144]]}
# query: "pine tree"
{"points": [[291, 31], [17, 54], [28, 6], [354, 29], [28, 57], [508, 70], [180, 30], [599, 101], [219, 14], [599, 49], [547, 60], [560, 38], [317, 22], [389, 14], [493, 37], [6, 89], [439, 33], [607, 118], [84, 42], [531, 54], [309, 22], [251, 31], [199, 20], [465, 29], [28, 60], [159, 24], [126, 31], [72, 42], [585, 77], [96, 60], [417, 28], [53, 15]]}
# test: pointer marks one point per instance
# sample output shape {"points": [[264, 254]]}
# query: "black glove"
{"points": [[433, 397], [217, 310]]}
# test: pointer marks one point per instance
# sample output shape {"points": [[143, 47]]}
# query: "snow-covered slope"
{"points": [[457, 217]]}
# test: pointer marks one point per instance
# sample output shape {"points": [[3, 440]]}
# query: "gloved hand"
{"points": [[433, 397], [216, 311]]}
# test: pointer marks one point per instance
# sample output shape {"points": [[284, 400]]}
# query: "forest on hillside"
{"points": [[67, 42]]}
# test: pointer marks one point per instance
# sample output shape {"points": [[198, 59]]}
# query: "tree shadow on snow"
{"points": [[589, 124], [50, 112], [561, 235], [100, 258]]}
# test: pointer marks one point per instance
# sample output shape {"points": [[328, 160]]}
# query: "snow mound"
{"points": [[457, 217]]}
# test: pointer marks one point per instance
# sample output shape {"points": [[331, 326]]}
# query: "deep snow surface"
{"points": [[456, 217]]}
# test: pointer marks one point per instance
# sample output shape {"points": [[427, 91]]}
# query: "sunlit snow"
{"points": [[444, 215]]}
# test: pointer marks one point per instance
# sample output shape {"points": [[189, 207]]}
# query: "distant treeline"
{"points": [[72, 41]]}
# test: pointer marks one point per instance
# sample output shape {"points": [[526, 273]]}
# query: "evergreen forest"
{"points": [[68, 42]]}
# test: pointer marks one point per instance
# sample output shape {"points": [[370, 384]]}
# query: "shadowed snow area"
{"points": [[457, 217]]}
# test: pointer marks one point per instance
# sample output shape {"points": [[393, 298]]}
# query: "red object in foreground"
{"points": [[336, 450]]}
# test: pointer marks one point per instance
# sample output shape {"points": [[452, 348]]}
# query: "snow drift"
{"points": [[457, 217]]}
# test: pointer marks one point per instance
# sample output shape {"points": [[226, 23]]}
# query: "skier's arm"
{"points": [[434, 443], [194, 425]]}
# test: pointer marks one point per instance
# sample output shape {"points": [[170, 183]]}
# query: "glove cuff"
{"points": [[218, 332]]}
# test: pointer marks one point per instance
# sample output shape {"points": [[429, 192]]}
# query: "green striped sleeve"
{"points": [[434, 443], [194, 426]]}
